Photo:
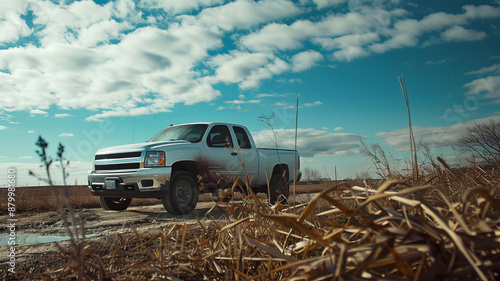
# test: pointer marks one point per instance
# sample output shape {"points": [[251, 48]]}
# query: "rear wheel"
{"points": [[278, 186], [181, 196], [115, 204]]}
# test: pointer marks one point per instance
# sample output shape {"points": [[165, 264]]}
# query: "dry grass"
{"points": [[394, 231], [42, 199]]}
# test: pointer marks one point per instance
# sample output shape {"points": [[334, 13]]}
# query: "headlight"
{"points": [[154, 159]]}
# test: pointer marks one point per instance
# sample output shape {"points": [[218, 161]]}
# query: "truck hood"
{"points": [[139, 146]]}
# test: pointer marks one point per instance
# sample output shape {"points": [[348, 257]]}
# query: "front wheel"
{"points": [[181, 196], [278, 186], [115, 204]]}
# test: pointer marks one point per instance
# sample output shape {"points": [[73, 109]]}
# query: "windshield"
{"points": [[191, 133]]}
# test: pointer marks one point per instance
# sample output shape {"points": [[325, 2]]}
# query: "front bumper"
{"points": [[143, 183]]}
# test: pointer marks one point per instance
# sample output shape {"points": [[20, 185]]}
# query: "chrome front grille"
{"points": [[119, 162], [121, 155]]}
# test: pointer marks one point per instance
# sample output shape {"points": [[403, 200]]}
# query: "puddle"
{"points": [[22, 238]]}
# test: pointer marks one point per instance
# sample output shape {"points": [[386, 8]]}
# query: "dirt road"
{"points": [[98, 222], [31, 229], [99, 225]]}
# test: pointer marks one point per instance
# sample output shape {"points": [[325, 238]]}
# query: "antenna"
{"points": [[295, 148]]}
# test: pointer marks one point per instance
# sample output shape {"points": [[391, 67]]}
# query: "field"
{"points": [[445, 226], [41, 198]]}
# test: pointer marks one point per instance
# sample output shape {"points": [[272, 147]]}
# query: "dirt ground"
{"points": [[99, 224]]}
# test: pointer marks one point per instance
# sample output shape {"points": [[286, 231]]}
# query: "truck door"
{"points": [[247, 154], [220, 154]]}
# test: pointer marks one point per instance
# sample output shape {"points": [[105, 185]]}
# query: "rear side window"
{"points": [[242, 137], [219, 136]]}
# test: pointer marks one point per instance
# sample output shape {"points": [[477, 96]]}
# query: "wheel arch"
{"points": [[279, 169], [192, 167]]}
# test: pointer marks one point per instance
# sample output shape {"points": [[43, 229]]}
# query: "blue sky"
{"points": [[92, 74]]}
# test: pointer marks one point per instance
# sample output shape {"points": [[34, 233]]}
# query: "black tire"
{"points": [[181, 196], [115, 204], [278, 186]]}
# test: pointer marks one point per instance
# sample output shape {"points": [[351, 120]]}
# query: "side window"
{"points": [[219, 136], [242, 137]]}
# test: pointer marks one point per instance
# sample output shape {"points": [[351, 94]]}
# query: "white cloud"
{"points": [[485, 87], [237, 104], [286, 37], [176, 7], [489, 85], [31, 132], [24, 88], [312, 142], [62, 22], [101, 32], [5, 117], [431, 62], [485, 70], [122, 111], [350, 53], [328, 3], [305, 60], [12, 25], [66, 135], [246, 69], [348, 47], [481, 12], [284, 105], [431, 136], [277, 36], [127, 9], [137, 72], [341, 42], [246, 13], [25, 157], [249, 69], [338, 129], [399, 40], [62, 115], [2, 127], [272, 95], [242, 101], [458, 33], [38, 112], [312, 104], [235, 67], [406, 32]]}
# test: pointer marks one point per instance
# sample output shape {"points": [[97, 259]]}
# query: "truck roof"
{"points": [[211, 123]]}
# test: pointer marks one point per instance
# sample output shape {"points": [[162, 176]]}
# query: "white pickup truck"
{"points": [[181, 161]]}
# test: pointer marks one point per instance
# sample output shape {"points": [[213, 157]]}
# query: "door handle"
{"points": [[234, 153]]}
